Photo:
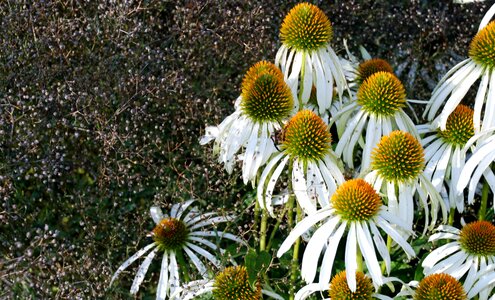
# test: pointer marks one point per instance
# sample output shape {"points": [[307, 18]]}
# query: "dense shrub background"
{"points": [[102, 105]]}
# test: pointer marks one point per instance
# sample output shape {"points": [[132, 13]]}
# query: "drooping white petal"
{"points": [[348, 155], [280, 57], [439, 175], [350, 257], [479, 100], [307, 80], [262, 182], [302, 227], [218, 234], [130, 260], [271, 294], [368, 251], [449, 264], [314, 248], [295, 71], [381, 246], [141, 272], [162, 288], [156, 214], [212, 221], [322, 91], [263, 151], [197, 262], [250, 153], [457, 94], [181, 209], [299, 186], [446, 85], [389, 230], [438, 254], [307, 290], [205, 254], [486, 18], [329, 256], [173, 269]]}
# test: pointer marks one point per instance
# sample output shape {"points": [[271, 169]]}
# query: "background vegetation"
{"points": [[102, 105]]}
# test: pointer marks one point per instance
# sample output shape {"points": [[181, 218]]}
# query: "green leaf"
{"points": [[256, 263]]}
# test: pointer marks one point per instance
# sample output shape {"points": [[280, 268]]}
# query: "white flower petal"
{"points": [[368, 251], [329, 256], [250, 153], [307, 290], [439, 254], [130, 260], [350, 257], [262, 182], [141, 272], [162, 288], [307, 80], [314, 248], [395, 236], [156, 214], [302, 227], [173, 269], [205, 254], [197, 262]]}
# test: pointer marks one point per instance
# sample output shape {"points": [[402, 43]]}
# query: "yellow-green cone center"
{"points": [[341, 291], [382, 94], [305, 28], [478, 238], [233, 284], [482, 48], [399, 157], [170, 234], [265, 95], [356, 200], [459, 128], [440, 287], [306, 137], [370, 67]]}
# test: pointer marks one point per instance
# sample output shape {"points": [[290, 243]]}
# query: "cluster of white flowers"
{"points": [[385, 174]]}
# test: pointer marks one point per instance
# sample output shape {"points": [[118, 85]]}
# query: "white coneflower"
{"points": [[478, 165], [435, 287], [377, 112], [339, 289], [445, 153], [306, 57], [230, 284], [397, 165], [471, 253], [316, 173], [265, 102], [184, 230], [456, 83], [357, 210], [442, 286]]}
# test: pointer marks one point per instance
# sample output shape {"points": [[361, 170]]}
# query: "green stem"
{"points": [[257, 211], [291, 201], [294, 271], [275, 229], [451, 216], [359, 260], [183, 266], [263, 230], [301, 89], [484, 201], [389, 247]]}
